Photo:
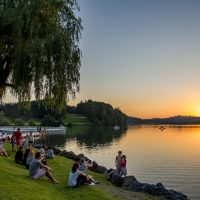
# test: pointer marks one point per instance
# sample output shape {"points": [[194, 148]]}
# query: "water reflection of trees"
{"points": [[87, 136], [91, 137], [53, 140]]}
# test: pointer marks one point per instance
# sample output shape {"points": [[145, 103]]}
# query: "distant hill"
{"points": [[170, 120]]}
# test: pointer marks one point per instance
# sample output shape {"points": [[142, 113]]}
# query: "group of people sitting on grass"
{"points": [[26, 157], [38, 167]]}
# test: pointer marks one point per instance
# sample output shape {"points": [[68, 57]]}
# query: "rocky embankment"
{"points": [[129, 182]]}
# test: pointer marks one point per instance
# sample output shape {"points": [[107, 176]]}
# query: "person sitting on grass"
{"points": [[38, 170], [2, 150], [42, 151], [84, 165], [26, 154], [19, 155], [76, 177], [49, 153], [30, 157]]}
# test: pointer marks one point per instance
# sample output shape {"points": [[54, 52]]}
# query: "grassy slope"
{"points": [[75, 119], [16, 185]]}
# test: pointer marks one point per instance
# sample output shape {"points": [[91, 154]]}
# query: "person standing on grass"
{"points": [[38, 170], [118, 162], [18, 137]]}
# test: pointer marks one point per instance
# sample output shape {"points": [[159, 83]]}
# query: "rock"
{"points": [[108, 174], [174, 195], [56, 151], [68, 154], [81, 156], [97, 168], [128, 180], [136, 186], [160, 187], [94, 164], [100, 169], [62, 153], [116, 179]]}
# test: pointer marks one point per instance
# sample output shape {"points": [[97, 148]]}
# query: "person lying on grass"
{"points": [[2, 150], [38, 170]]}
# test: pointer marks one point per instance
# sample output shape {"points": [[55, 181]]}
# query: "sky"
{"points": [[142, 56]]}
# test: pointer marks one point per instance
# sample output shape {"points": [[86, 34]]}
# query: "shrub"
{"points": [[49, 120], [4, 121], [19, 122], [32, 122]]}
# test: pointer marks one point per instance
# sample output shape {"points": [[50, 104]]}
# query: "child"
{"points": [[123, 166]]}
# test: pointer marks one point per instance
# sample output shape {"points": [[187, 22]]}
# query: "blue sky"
{"points": [[142, 55]]}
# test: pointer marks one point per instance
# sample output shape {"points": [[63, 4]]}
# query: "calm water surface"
{"points": [[171, 156]]}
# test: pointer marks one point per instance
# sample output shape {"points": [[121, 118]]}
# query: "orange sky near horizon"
{"points": [[142, 107]]}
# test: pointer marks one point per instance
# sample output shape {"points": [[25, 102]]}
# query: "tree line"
{"points": [[97, 113], [101, 113]]}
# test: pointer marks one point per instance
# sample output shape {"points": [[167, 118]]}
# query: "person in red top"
{"points": [[18, 137], [123, 166]]}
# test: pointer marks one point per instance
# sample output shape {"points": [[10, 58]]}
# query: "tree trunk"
{"points": [[5, 70]]}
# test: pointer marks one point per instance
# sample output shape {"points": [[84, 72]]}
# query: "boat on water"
{"points": [[162, 128], [116, 127]]}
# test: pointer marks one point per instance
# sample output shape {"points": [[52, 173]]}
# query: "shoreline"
{"points": [[129, 183]]}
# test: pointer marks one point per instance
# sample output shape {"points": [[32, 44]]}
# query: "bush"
{"points": [[4, 121], [19, 122], [49, 120], [32, 122]]}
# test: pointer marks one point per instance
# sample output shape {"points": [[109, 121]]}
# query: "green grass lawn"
{"points": [[75, 119], [16, 185]]}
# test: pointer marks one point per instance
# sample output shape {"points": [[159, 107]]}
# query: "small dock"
{"points": [[43, 130]]}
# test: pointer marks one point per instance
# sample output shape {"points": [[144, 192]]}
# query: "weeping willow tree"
{"points": [[39, 52]]}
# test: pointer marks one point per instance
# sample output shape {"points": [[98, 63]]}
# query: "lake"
{"points": [[170, 156]]}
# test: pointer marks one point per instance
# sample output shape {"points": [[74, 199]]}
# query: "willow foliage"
{"points": [[39, 52]]}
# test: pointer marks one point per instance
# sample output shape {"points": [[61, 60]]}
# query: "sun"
{"points": [[197, 111]]}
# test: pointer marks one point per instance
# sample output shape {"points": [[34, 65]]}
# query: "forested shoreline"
{"points": [[39, 113]]}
